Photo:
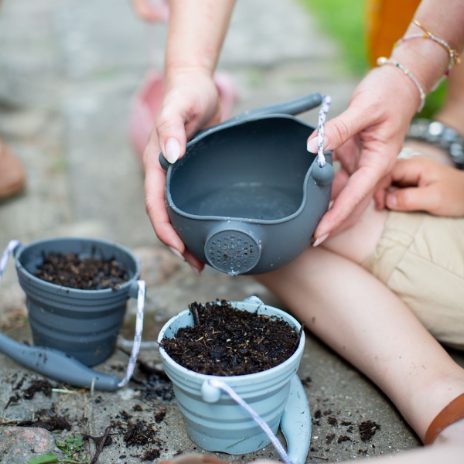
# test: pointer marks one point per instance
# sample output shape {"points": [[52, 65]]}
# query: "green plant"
{"points": [[51, 458], [71, 446]]}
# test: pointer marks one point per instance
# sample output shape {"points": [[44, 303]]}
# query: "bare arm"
{"points": [[376, 121]]}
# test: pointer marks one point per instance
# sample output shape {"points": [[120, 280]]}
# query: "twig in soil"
{"points": [[8, 421], [66, 391], [100, 443], [196, 317]]}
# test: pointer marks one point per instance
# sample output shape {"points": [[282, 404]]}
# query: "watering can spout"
{"points": [[233, 248], [57, 365]]}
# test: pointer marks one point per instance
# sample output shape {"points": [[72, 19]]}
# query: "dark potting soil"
{"points": [[92, 273], [225, 341], [367, 430]]}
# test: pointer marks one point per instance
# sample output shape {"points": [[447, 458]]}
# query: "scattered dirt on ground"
{"points": [[90, 273], [35, 386], [38, 386], [160, 415], [151, 455], [225, 341], [367, 430], [51, 423], [154, 385]]}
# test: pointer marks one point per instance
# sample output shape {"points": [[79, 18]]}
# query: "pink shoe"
{"points": [[147, 103]]}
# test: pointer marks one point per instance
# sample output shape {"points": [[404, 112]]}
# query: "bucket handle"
{"points": [[292, 107], [211, 392], [59, 366]]}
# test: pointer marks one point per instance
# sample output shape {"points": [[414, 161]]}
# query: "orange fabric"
{"points": [[387, 21]]}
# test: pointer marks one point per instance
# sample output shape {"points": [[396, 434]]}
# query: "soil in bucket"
{"points": [[225, 341], [89, 273]]}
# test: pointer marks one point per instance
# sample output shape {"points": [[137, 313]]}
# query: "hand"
{"points": [[367, 138], [423, 184], [190, 103], [152, 10]]}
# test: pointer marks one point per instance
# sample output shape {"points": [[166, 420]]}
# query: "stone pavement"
{"points": [[69, 70]]}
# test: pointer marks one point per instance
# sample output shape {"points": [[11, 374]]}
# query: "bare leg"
{"points": [[451, 454], [371, 328]]}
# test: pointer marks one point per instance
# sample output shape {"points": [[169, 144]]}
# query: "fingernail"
{"points": [[331, 204], [391, 200], [319, 240], [177, 253], [172, 150], [313, 145]]}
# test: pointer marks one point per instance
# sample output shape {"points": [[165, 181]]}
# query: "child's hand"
{"points": [[423, 184], [151, 10]]}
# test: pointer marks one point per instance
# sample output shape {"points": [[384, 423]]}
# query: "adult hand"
{"points": [[367, 138], [190, 103], [152, 10], [423, 184]]}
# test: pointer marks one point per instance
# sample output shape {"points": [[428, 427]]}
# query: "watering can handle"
{"points": [[56, 365], [292, 107]]}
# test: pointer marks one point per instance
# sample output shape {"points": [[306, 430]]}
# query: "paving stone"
{"points": [[19, 444]]}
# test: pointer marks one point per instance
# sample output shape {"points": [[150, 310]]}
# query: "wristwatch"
{"points": [[440, 135]]}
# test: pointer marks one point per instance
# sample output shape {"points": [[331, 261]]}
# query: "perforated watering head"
{"points": [[232, 251]]}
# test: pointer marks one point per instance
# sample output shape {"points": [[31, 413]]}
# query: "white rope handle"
{"points": [[216, 383], [138, 334], [324, 109], [7, 252]]}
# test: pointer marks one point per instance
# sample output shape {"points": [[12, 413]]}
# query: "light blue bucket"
{"points": [[215, 421]]}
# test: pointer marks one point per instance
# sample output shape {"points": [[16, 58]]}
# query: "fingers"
{"points": [[151, 10], [155, 181], [340, 129], [414, 199], [409, 171], [359, 186], [340, 180], [170, 132]]}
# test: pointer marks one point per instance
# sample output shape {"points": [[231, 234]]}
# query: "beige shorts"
{"points": [[421, 258]]}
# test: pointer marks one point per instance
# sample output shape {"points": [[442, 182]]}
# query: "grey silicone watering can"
{"points": [[247, 196], [72, 329]]}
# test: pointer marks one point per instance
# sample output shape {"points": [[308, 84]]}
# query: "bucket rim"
{"points": [[70, 290], [213, 130], [232, 379]]}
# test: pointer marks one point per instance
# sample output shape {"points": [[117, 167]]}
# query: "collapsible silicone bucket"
{"points": [[216, 423], [83, 324]]}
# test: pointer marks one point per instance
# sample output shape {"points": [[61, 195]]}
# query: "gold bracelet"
{"points": [[453, 55], [382, 61]]}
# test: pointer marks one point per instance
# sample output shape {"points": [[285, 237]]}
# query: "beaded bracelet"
{"points": [[453, 55], [381, 61]]}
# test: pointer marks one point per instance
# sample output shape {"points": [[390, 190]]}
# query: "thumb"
{"points": [[340, 129], [413, 199], [172, 138]]}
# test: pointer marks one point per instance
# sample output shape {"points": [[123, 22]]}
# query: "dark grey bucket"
{"points": [[83, 324]]}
